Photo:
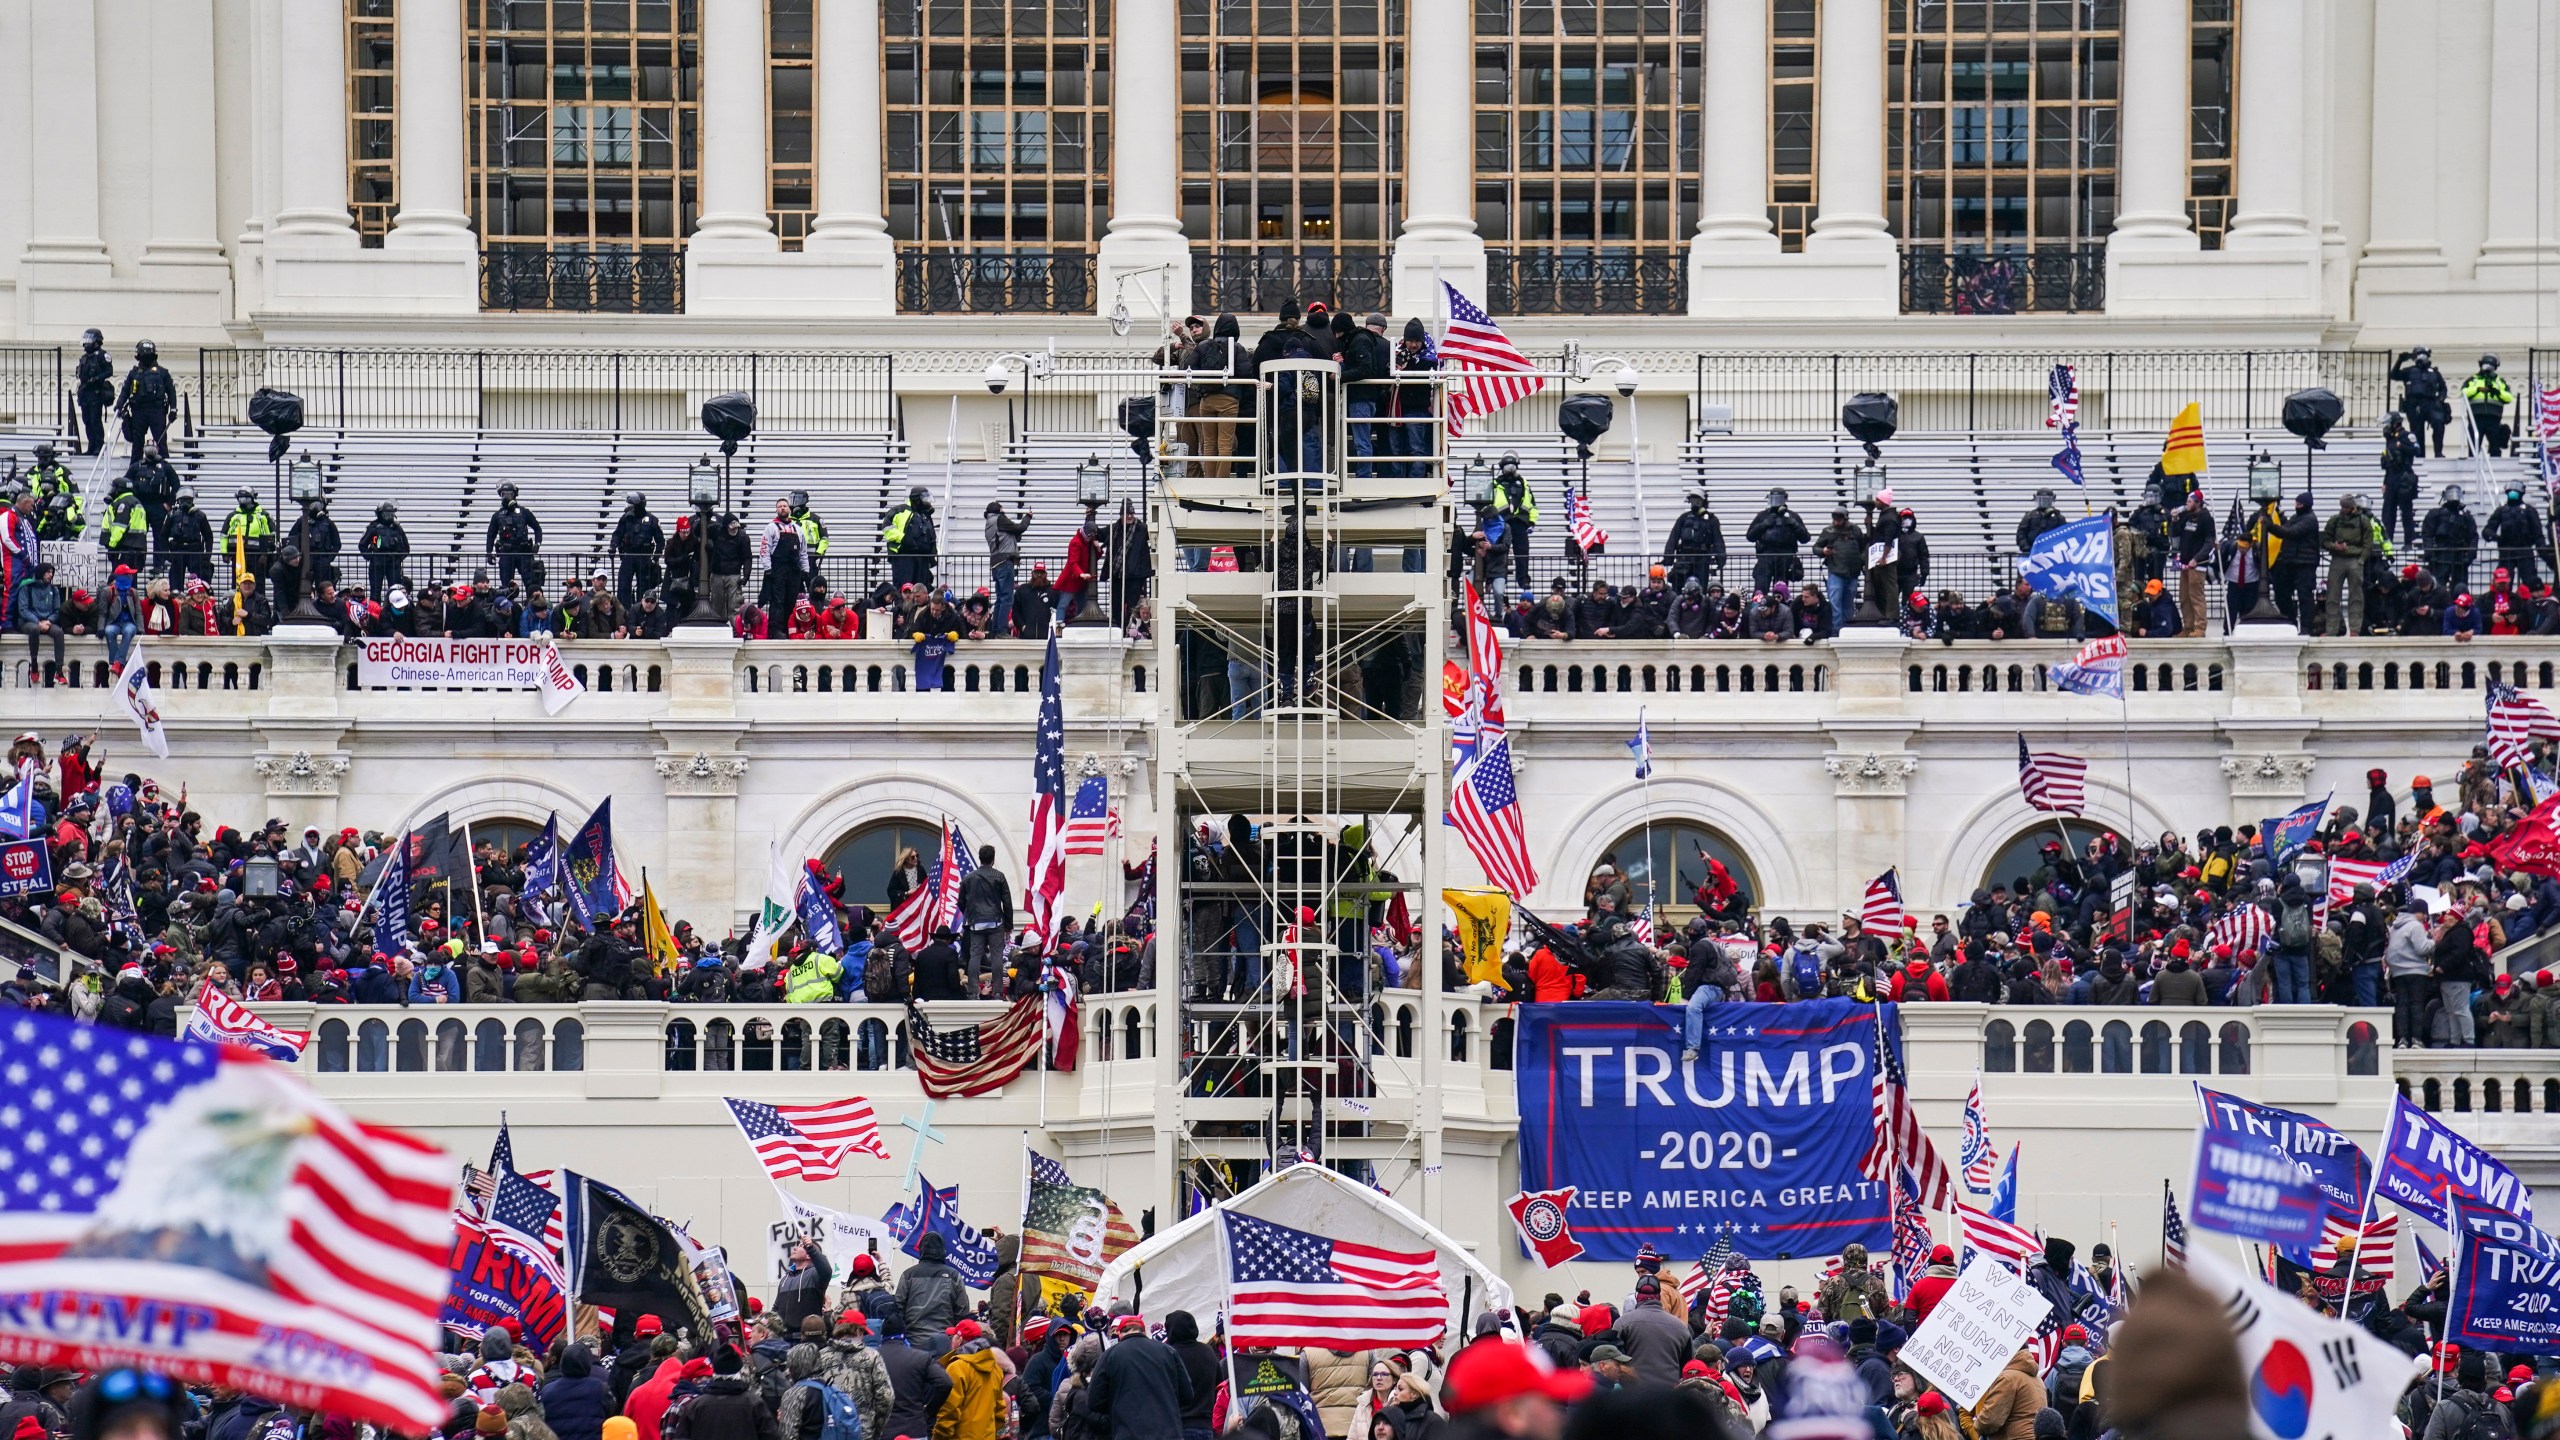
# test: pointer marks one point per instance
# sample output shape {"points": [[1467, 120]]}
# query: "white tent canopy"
{"points": [[1181, 1268]]}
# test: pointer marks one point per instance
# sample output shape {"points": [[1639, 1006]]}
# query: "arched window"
{"points": [[333, 1047], [1458, 1037], [2039, 1048], [373, 1047], [795, 1044], [871, 1045], [2195, 1049], [756, 1047], [1498, 1039], [1669, 849], [453, 1045], [411, 1051], [2078, 1058], [2000, 1048], [531, 1035], [489, 1046], [835, 1046], [508, 836], [680, 1044], [2155, 1047], [568, 1046], [1132, 1038], [1404, 1032], [2017, 860], [2235, 1048], [2364, 1050], [2115, 1048], [865, 857], [719, 1046]]}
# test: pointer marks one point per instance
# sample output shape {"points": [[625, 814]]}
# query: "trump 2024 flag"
{"points": [[200, 1212]]}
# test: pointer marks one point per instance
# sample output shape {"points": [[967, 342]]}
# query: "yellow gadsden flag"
{"points": [[2184, 454], [1482, 919], [655, 937]]}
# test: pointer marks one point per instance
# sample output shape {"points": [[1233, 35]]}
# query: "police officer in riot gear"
{"points": [[515, 535], [187, 543], [149, 397], [385, 548], [908, 537], [2038, 520], [2452, 539], [1517, 504], [155, 484], [249, 539], [1696, 547], [2150, 520], [2516, 529], [813, 531], [2423, 394], [96, 390], [2488, 394], [125, 529], [325, 545], [58, 513], [637, 543], [1777, 537]]}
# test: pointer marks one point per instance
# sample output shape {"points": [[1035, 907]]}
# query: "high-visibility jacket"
{"points": [[813, 532], [1518, 501], [124, 517], [249, 524], [2488, 390], [812, 979], [894, 533]]}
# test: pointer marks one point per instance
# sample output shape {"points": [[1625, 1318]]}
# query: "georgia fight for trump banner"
{"points": [[2423, 1163], [1758, 1138]]}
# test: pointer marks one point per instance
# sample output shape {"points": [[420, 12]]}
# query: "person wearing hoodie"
{"points": [[1141, 1387], [863, 1290], [1692, 614], [238, 1416], [803, 1289], [1071, 1408], [1874, 1371], [575, 1400], [1200, 1362], [802, 1411], [526, 1419], [1918, 980], [635, 1364], [917, 1385], [727, 1408], [1936, 1279], [2179, 984], [647, 1407], [975, 1408], [849, 1366], [932, 1296], [2062, 1387], [2112, 984]]}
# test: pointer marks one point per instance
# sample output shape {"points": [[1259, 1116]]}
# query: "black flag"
{"points": [[625, 1259], [436, 860]]}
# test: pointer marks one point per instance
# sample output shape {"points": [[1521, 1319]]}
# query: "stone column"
{"points": [[183, 228], [2273, 209], [734, 133], [848, 256], [1733, 183], [2151, 129], [312, 114], [1438, 239], [434, 210], [2403, 226], [61, 80], [1849, 194], [1146, 173], [2524, 103]]}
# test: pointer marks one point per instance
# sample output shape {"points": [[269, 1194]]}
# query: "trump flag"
{"points": [[217, 1222]]}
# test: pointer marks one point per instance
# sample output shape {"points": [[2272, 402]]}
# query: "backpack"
{"points": [[2293, 930], [1806, 967], [2488, 1419], [773, 1381], [839, 1418]]}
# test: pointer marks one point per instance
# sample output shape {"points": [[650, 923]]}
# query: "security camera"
{"points": [[1627, 380], [997, 377]]}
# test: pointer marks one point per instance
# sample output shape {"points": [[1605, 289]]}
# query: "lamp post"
{"points": [[304, 477], [258, 877], [2266, 487], [702, 487], [1093, 483], [1867, 482]]}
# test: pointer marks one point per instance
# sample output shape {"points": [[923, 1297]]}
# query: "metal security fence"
{"points": [[456, 389], [1544, 282], [938, 283], [1799, 391], [35, 386], [1257, 282], [627, 282], [1937, 280]]}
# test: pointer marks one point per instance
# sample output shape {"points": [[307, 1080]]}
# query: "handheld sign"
{"points": [[1981, 1323], [2249, 1188]]}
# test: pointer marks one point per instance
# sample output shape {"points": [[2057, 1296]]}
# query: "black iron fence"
{"points": [[2007, 389], [35, 386], [1542, 282], [934, 283], [628, 282], [1960, 280], [441, 389], [1260, 281]]}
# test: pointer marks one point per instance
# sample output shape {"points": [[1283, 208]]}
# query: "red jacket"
{"points": [[1928, 1290], [1549, 980], [1930, 985]]}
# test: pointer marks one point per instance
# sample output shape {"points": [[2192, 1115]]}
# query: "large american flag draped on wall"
{"points": [[1491, 370], [1046, 885], [230, 1215], [808, 1142], [2516, 720], [1289, 1287], [1900, 1140], [1484, 803], [976, 1059], [2052, 781], [1091, 822]]}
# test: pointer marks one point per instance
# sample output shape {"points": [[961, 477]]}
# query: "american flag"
{"points": [[936, 902], [1091, 822], [225, 1021], [2515, 721], [1997, 1238], [1881, 911], [1491, 370], [1577, 519], [1485, 806], [1900, 1141], [1735, 1279], [808, 1142], [2052, 781], [523, 1205], [1479, 717], [976, 1059], [1044, 1169], [2397, 871], [2547, 407], [1703, 1275], [1641, 927], [1979, 1157], [2173, 1231], [1046, 886], [555, 1230], [2046, 1342], [1911, 1237], [2062, 388], [1288, 1287], [2245, 928], [214, 1190], [2346, 875], [2377, 1245]]}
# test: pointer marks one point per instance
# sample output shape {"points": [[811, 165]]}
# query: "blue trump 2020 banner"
{"points": [[2423, 1163], [2075, 559], [1759, 1137], [2506, 1286], [2335, 1161]]}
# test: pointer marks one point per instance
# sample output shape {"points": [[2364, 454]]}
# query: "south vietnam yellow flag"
{"points": [[2184, 454], [655, 937], [1482, 919]]}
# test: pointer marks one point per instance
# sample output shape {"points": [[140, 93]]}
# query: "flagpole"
{"points": [[1227, 1280], [471, 862], [2452, 1274], [399, 838], [1024, 1232]]}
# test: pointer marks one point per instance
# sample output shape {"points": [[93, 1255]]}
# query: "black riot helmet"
{"points": [[799, 499], [384, 511], [2489, 364], [1778, 499], [186, 499], [2044, 499], [44, 451], [91, 339], [1697, 501], [147, 352], [248, 498], [636, 502], [507, 493]]}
